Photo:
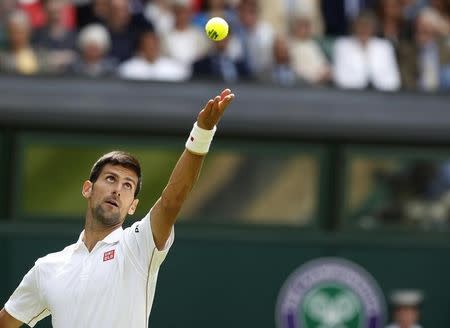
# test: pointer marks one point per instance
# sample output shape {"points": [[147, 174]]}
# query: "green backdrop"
{"points": [[231, 278]]}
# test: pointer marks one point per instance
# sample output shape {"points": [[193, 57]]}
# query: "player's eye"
{"points": [[110, 178], [128, 186]]}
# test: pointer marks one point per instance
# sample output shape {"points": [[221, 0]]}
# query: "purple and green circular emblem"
{"points": [[330, 293]]}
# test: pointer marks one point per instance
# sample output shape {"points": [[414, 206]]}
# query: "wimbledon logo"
{"points": [[330, 293]]}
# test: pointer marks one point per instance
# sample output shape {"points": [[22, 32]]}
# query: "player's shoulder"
{"points": [[56, 258], [138, 226]]}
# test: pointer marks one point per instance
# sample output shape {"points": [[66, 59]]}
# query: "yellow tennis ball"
{"points": [[216, 29]]}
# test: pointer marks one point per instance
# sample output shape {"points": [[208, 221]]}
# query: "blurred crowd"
{"points": [[386, 45]]}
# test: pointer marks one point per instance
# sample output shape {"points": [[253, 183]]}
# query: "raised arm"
{"points": [[8, 321], [165, 211]]}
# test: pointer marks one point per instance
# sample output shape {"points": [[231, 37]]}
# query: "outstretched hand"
{"points": [[211, 114]]}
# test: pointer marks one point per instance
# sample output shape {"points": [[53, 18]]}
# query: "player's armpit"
{"points": [[8, 321]]}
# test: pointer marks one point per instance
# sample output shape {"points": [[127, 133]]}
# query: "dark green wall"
{"points": [[231, 278]]}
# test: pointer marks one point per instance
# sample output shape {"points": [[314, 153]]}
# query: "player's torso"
{"points": [[97, 289]]}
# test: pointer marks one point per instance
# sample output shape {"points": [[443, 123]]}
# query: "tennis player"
{"points": [[108, 277]]}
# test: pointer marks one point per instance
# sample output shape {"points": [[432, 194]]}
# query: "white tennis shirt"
{"points": [[112, 286]]}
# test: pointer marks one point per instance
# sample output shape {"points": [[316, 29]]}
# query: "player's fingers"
{"points": [[226, 101], [208, 107], [217, 114], [224, 93], [215, 106]]}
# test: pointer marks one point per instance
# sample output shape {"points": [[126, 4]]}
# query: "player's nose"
{"points": [[116, 191]]}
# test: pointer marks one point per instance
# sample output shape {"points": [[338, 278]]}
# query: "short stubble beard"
{"points": [[106, 218]]}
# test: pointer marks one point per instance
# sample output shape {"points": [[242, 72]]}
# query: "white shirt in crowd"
{"points": [[356, 66], [162, 69], [258, 43], [308, 61], [111, 286], [186, 46], [278, 14]]}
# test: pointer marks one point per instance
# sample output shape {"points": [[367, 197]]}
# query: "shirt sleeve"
{"points": [[26, 303], [140, 245]]}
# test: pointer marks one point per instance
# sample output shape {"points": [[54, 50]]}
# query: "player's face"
{"points": [[111, 197]]}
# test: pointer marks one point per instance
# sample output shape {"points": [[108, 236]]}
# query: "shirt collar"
{"points": [[112, 238]]}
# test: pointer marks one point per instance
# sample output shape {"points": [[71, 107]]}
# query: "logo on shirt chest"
{"points": [[109, 255]]}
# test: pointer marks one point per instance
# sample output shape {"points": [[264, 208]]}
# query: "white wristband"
{"points": [[199, 140]]}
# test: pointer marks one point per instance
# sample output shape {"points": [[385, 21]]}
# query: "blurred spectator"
{"points": [[256, 36], [94, 11], [277, 13], [442, 8], [6, 7], [197, 5], [160, 13], [35, 12], [215, 8], [393, 26], [411, 8], [282, 73], [338, 14], [101, 10], [94, 43], [20, 57], [124, 28], [184, 42], [280, 13], [38, 17], [55, 37], [405, 309], [425, 63], [149, 64], [363, 60], [221, 64], [311, 9], [308, 60], [136, 6]]}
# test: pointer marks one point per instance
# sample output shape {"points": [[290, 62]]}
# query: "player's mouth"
{"points": [[112, 202]]}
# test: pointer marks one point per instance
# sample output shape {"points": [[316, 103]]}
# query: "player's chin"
{"points": [[108, 215], [111, 219]]}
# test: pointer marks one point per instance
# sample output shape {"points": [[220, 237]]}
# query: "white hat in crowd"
{"points": [[94, 33], [406, 297]]}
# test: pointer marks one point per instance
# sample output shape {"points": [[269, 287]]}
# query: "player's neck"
{"points": [[94, 232]]}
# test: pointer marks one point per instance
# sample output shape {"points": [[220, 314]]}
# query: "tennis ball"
{"points": [[216, 29]]}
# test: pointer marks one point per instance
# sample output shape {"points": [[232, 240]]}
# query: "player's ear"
{"points": [[86, 191], [133, 207]]}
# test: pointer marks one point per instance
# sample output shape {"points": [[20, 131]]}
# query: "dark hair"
{"points": [[121, 158]]}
